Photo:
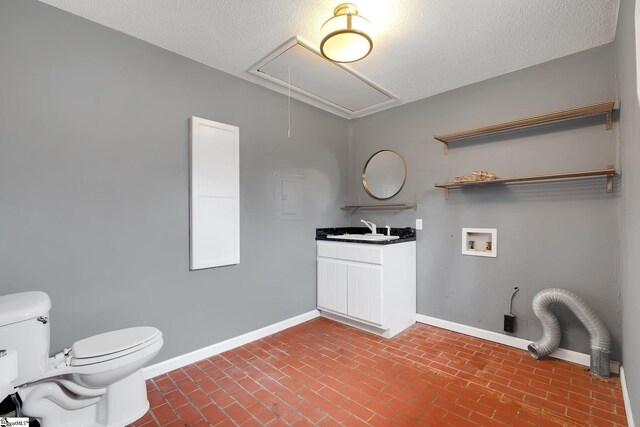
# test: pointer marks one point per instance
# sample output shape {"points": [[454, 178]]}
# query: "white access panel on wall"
{"points": [[289, 193], [215, 194]]}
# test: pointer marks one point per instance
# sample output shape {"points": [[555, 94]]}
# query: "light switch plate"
{"points": [[418, 224]]}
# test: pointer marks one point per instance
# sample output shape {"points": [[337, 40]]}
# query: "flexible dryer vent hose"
{"points": [[600, 339]]}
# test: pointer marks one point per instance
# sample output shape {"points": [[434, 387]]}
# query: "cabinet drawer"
{"points": [[357, 252]]}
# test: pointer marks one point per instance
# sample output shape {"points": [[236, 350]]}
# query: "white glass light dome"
{"points": [[346, 36]]}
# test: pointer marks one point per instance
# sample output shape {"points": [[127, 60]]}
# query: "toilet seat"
{"points": [[112, 345]]}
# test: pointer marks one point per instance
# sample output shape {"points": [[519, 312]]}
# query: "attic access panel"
{"points": [[324, 81]]}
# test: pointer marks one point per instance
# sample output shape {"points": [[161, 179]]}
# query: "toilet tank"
{"points": [[24, 327]]}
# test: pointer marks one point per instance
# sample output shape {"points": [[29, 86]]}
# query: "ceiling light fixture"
{"points": [[346, 36]]}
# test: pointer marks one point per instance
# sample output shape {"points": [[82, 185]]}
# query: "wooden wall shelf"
{"points": [[609, 173], [381, 206], [411, 205], [605, 108]]}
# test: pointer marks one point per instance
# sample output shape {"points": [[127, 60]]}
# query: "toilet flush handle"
{"points": [[43, 319]]}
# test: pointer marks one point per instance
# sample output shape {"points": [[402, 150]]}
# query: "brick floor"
{"points": [[324, 373]]}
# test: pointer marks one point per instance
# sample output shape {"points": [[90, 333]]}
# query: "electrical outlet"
{"points": [[418, 224], [509, 322]]}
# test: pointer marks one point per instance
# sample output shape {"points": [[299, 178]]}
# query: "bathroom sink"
{"points": [[369, 237]]}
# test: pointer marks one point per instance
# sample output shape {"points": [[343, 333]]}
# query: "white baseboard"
{"points": [[625, 397], [217, 348], [561, 353]]}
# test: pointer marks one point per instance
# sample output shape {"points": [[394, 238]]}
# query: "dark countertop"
{"points": [[406, 234]]}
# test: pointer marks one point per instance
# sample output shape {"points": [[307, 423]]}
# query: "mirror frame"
{"points": [[364, 174]]}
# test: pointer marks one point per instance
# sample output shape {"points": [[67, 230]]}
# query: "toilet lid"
{"points": [[113, 342]]}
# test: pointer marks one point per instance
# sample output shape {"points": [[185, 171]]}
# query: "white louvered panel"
{"points": [[322, 282], [332, 285], [375, 296], [341, 288], [365, 293]]}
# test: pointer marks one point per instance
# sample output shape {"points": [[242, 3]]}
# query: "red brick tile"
{"points": [[302, 422], [405, 409], [155, 398], [456, 420], [354, 395], [310, 412], [221, 398], [262, 413], [195, 373], [199, 398], [237, 413], [228, 385], [510, 420], [403, 420], [546, 404], [244, 398], [477, 407], [207, 385], [278, 423], [285, 412], [164, 414], [176, 399], [188, 414], [483, 420], [213, 413], [286, 395], [177, 374], [597, 412], [288, 382], [165, 385], [146, 419], [327, 374], [186, 385], [359, 411], [431, 421]]}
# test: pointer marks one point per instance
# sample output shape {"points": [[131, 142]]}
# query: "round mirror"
{"points": [[384, 174]]}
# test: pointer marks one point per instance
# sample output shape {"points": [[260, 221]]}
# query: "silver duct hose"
{"points": [[598, 333]]}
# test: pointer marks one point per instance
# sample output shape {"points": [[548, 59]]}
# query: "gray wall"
{"points": [[630, 202], [94, 184], [94, 189], [550, 234]]}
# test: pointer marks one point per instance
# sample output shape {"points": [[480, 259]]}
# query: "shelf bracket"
{"points": [[608, 121], [446, 194], [445, 148], [610, 180]]}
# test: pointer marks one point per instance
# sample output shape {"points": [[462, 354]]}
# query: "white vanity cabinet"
{"points": [[368, 286]]}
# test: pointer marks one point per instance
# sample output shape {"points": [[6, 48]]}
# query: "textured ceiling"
{"points": [[421, 47]]}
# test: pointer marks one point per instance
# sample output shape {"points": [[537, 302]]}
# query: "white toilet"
{"points": [[98, 382]]}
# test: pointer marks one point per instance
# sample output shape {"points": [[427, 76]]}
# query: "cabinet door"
{"points": [[364, 286], [215, 194], [332, 286]]}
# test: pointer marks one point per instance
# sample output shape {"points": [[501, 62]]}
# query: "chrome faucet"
{"points": [[371, 226]]}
